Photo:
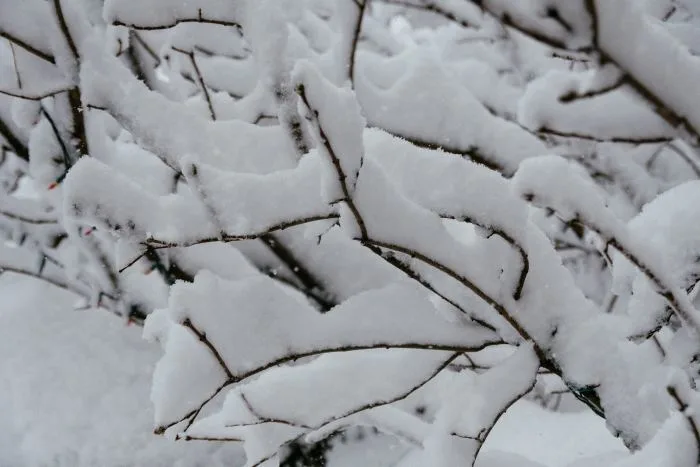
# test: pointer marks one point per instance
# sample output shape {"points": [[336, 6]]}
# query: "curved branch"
{"points": [[412, 274], [682, 407], [471, 153], [525, 268], [31, 97], [481, 439], [202, 336], [157, 27], [611, 139], [227, 238], [431, 7], [37, 275], [667, 291], [296, 356], [352, 412], [361, 5]]}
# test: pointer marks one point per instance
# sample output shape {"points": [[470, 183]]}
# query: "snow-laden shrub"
{"points": [[402, 214]]}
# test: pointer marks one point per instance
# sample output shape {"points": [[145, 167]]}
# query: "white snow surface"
{"points": [[74, 388], [74, 391]]}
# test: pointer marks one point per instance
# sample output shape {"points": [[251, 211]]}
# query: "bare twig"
{"points": [[525, 267], [200, 80], [432, 7], [226, 238], [199, 19], [28, 47], [33, 97], [17, 146], [202, 336], [296, 356], [682, 407], [610, 139], [355, 38], [330, 150]]}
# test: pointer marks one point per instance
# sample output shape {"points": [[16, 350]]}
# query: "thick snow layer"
{"points": [[88, 404], [74, 388]]}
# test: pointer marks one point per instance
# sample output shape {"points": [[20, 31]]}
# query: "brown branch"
{"points": [[342, 177], [356, 38], [199, 19], [132, 55], [524, 269], [509, 21], [205, 438], [78, 133], [16, 145], [682, 407], [431, 7], [499, 308], [611, 139], [481, 439], [55, 282], [149, 50], [663, 289], [29, 48], [311, 285], [202, 336], [296, 356], [357, 410], [31, 97], [59, 139], [575, 95], [660, 108], [28, 220], [200, 80], [586, 395], [264, 459], [227, 238], [686, 158], [262, 419], [412, 274], [471, 153], [65, 30]]}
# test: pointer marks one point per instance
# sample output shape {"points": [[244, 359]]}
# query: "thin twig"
{"points": [[202, 336], [342, 177], [29, 48], [296, 356], [33, 97], [682, 407], [227, 238], [356, 38], [200, 80]]}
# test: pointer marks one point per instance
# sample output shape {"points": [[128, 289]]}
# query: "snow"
{"points": [[75, 388], [446, 116], [645, 37], [399, 222], [152, 13], [615, 115]]}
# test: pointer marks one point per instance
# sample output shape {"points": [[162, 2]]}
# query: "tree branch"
{"points": [[342, 177], [361, 5], [29, 48], [682, 407], [202, 336], [17, 146], [296, 356]]}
